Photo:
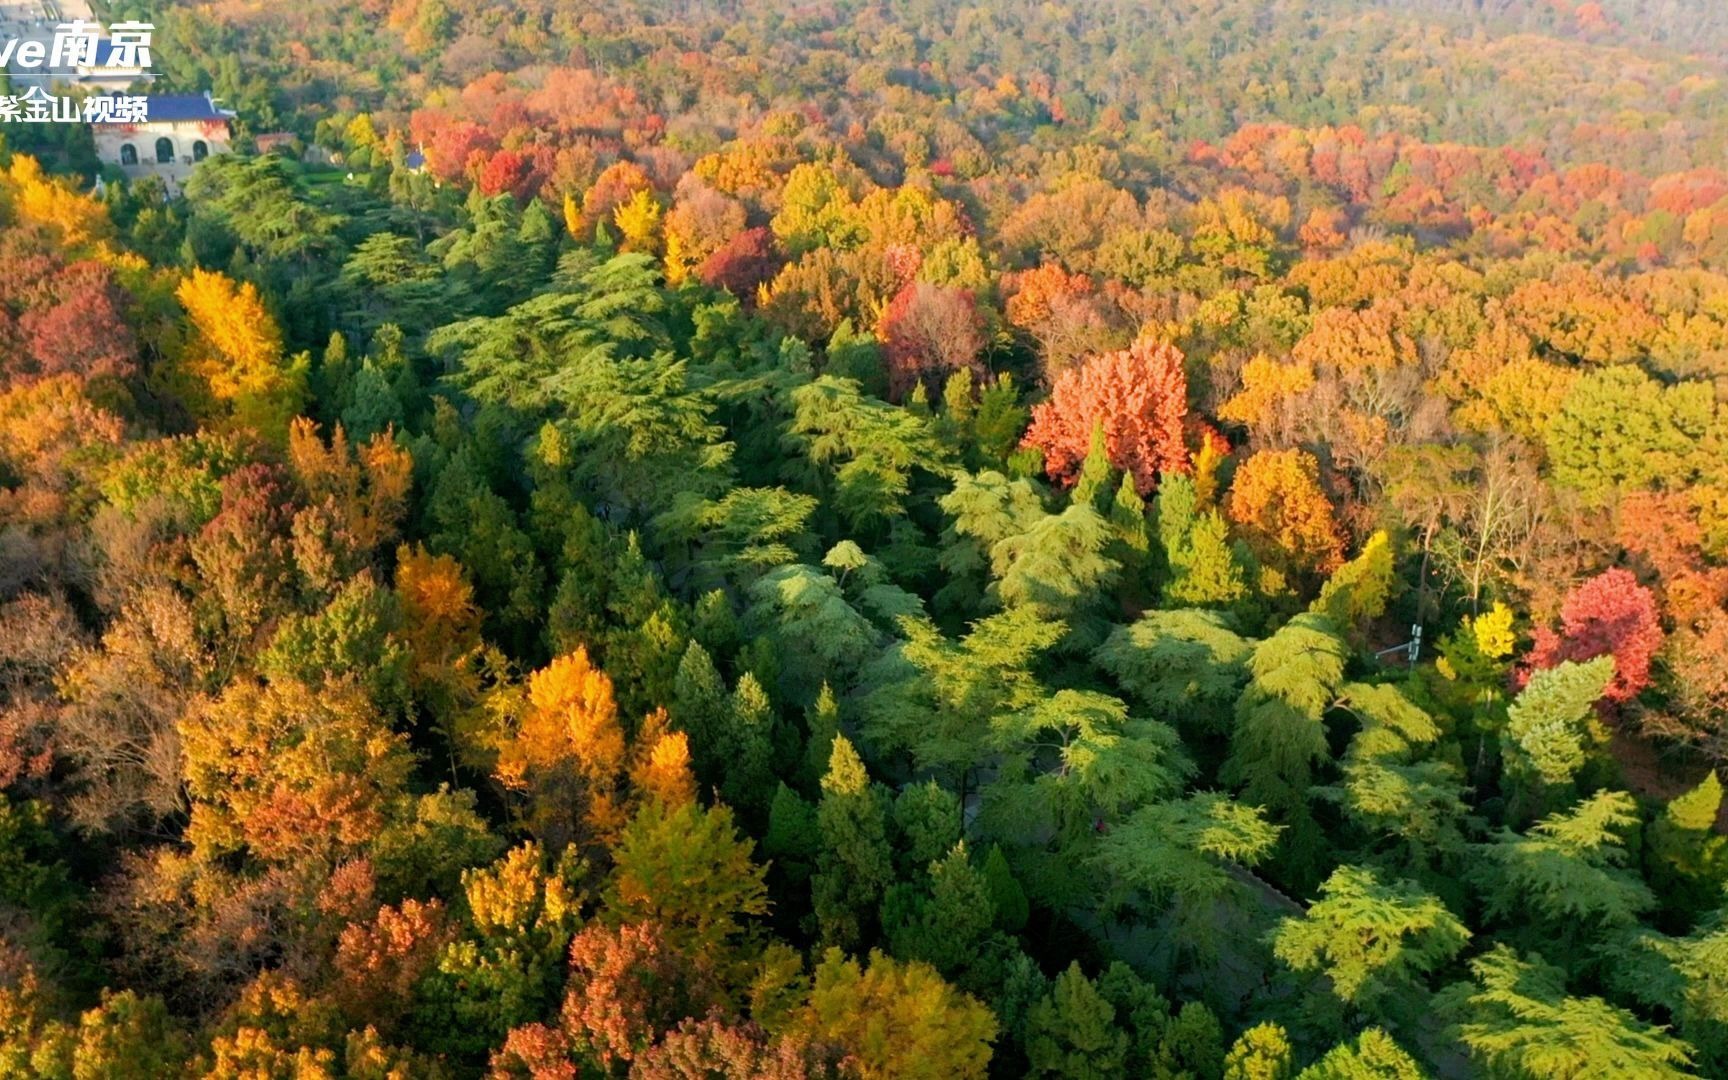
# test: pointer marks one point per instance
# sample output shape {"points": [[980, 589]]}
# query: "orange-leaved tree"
{"points": [[1140, 397], [355, 497], [1277, 504], [660, 769], [440, 622], [286, 773], [558, 742]]}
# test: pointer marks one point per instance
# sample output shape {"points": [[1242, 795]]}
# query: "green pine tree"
{"points": [[816, 634], [1133, 546], [1372, 1055], [1188, 666], [332, 379], [1280, 736], [855, 864], [1369, 937], [1546, 725], [822, 724], [1566, 879], [643, 658], [1203, 569], [793, 838], [999, 422], [1095, 483], [1357, 592], [1686, 977], [1688, 858], [1174, 852], [1396, 786], [1192, 1044], [747, 747], [946, 927], [700, 709], [927, 822], [1072, 1032], [1261, 1053], [1007, 898], [1519, 1021]]}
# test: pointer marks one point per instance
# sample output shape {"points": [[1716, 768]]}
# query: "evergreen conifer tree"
{"points": [[855, 864]]}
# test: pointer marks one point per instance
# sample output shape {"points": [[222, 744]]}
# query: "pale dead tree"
{"points": [[1501, 516], [1373, 412], [1076, 328], [37, 633], [1693, 666], [124, 551], [123, 700], [198, 930], [1571, 541]]}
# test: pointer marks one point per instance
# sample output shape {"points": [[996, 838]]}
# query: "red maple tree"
{"points": [[628, 985], [742, 263], [508, 171], [930, 332], [1610, 614]]}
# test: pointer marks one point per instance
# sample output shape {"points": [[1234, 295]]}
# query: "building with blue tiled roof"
{"points": [[179, 131]]}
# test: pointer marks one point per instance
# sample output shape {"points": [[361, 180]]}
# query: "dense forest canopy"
{"points": [[1443, 70], [735, 540]]}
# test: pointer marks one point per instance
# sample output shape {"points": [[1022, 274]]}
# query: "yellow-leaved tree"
{"points": [[573, 217], [573, 715], [33, 197], [557, 743], [660, 763], [638, 222], [232, 370]]}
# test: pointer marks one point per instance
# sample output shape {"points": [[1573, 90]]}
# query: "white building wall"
{"points": [[183, 137]]}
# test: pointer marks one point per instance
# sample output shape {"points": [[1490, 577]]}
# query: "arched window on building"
{"points": [[164, 151], [200, 150], [128, 154]]}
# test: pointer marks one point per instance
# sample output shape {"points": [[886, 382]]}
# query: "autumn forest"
{"points": [[724, 539]]}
